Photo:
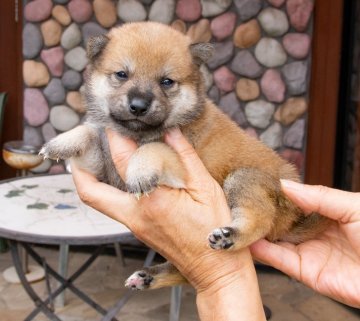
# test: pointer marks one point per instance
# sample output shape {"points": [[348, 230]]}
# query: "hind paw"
{"points": [[140, 280], [221, 238]]}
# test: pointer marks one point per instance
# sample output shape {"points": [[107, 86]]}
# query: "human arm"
{"points": [[330, 263], [176, 223]]}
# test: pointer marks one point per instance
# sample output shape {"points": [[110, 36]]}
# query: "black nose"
{"points": [[139, 106]]}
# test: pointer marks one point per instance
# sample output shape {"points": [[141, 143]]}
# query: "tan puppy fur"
{"points": [[145, 78]]}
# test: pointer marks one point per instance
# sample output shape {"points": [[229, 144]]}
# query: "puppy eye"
{"points": [[166, 82], [121, 75]]}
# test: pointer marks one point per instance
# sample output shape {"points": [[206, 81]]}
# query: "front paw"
{"points": [[221, 238], [140, 280], [56, 149], [140, 184]]}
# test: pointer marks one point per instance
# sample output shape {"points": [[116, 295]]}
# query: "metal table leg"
{"points": [[175, 303]]}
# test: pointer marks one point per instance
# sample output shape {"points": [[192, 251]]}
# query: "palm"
{"points": [[330, 265]]}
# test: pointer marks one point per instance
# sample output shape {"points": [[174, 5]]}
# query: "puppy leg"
{"points": [[253, 197], [154, 164], [73, 143], [155, 277]]}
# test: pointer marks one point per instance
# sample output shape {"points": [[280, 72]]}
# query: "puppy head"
{"points": [[145, 78]]}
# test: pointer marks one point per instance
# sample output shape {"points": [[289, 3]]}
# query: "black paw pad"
{"points": [[221, 238], [140, 280]]}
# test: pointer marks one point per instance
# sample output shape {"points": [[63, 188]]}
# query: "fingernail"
{"points": [[290, 184]]}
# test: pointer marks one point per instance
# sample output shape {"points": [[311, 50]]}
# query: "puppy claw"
{"points": [[140, 280], [221, 238]]}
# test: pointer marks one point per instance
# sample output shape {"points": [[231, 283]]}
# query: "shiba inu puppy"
{"points": [[143, 79]]}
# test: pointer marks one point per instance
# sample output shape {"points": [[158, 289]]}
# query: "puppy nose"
{"points": [[139, 106]]}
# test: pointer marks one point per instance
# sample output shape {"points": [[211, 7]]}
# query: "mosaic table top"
{"points": [[48, 209]]}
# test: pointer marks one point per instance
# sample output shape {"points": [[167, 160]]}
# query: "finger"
{"points": [[195, 168], [282, 258], [121, 148], [103, 197], [333, 203]]}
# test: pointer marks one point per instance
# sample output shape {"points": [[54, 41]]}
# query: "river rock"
{"points": [[36, 109], [76, 58], [270, 53], [55, 92], [38, 10], [71, 37], [200, 31], [91, 29], [259, 113], [71, 80], [272, 136], [35, 73], [42, 168], [32, 41], [291, 110], [214, 94], [223, 25], [188, 10], [211, 8], [131, 10], [80, 10], [245, 65], [54, 59], [207, 75], [295, 77], [272, 86], [105, 12], [32, 136], [297, 45], [61, 14], [48, 131], [294, 137], [162, 11], [248, 9], [247, 89], [247, 34], [51, 31], [74, 100], [63, 118], [299, 12], [224, 79], [251, 132], [231, 106], [57, 169], [223, 51], [294, 157], [274, 21]]}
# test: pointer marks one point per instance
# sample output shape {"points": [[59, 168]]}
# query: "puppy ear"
{"points": [[201, 52], [95, 45]]}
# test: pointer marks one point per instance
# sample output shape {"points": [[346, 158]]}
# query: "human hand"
{"points": [[330, 264]]}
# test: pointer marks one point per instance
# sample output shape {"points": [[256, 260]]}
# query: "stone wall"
{"points": [[258, 75]]}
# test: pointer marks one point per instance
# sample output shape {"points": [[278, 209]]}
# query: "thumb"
{"points": [[335, 204]]}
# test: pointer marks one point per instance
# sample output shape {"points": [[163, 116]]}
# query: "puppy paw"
{"points": [[57, 149], [221, 238], [140, 280], [140, 184]]}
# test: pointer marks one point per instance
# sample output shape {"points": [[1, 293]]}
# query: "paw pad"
{"points": [[140, 280], [221, 238]]}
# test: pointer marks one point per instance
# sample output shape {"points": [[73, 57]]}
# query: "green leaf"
{"points": [[15, 193], [39, 206]]}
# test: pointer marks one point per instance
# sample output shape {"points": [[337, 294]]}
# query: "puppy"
{"points": [[143, 79]]}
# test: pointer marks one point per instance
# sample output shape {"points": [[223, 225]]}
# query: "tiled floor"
{"points": [[288, 300]]}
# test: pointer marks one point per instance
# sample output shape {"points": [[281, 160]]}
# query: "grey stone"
{"points": [[274, 22], [247, 8], [294, 137], [259, 113], [270, 53], [212, 8], [131, 10], [48, 131], [32, 41], [231, 106], [32, 136], [71, 36], [223, 51], [91, 29], [72, 80], [76, 58], [214, 94], [162, 11], [246, 65], [55, 92], [63, 118], [295, 75], [272, 136], [42, 168]]}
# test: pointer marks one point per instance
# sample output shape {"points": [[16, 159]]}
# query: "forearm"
{"points": [[235, 298]]}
